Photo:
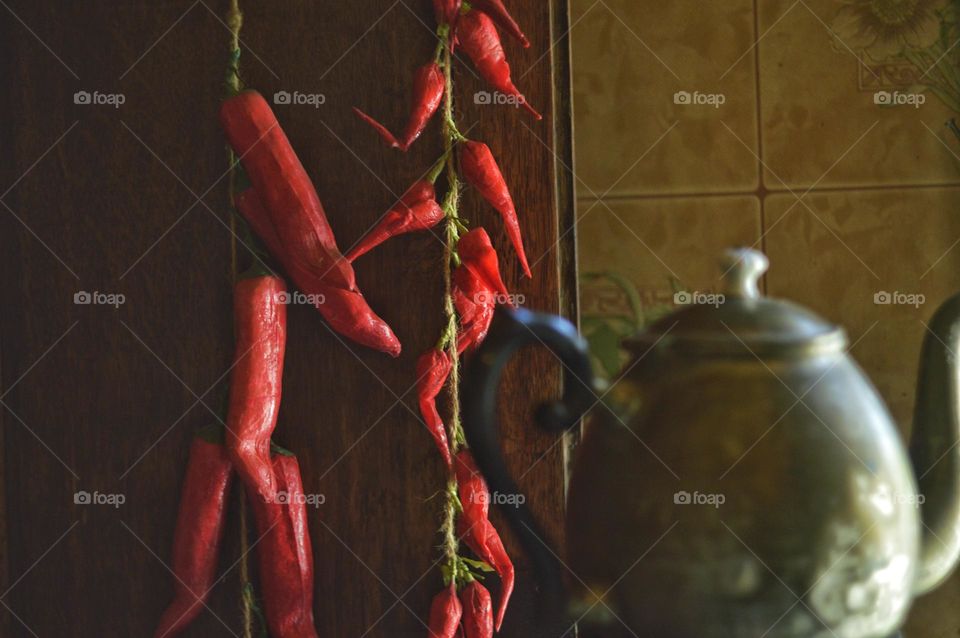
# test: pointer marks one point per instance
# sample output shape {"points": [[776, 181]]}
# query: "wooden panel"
{"points": [[102, 398]]}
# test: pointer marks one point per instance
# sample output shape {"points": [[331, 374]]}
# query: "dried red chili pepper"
{"points": [[498, 12], [283, 186], [471, 488], [260, 317], [417, 210], [445, 613], [480, 170], [447, 11], [477, 611], [285, 554], [481, 536], [479, 38], [478, 255], [346, 311], [477, 288], [199, 532], [428, 85], [433, 368]]}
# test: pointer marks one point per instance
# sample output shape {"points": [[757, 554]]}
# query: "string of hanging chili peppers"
{"points": [[242, 442], [473, 287]]}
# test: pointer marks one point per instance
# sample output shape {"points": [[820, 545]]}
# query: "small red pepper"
{"points": [[346, 311], [471, 488], [417, 210], [260, 317], [477, 611], [199, 532], [447, 11], [428, 85], [477, 288], [478, 36], [480, 169], [285, 554], [283, 186], [498, 12], [433, 368], [478, 255], [481, 536], [445, 613]]}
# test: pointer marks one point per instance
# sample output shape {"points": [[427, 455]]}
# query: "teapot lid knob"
{"points": [[742, 269]]}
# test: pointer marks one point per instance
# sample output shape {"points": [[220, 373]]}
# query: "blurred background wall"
{"points": [[819, 131]]}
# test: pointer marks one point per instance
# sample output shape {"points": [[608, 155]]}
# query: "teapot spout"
{"points": [[935, 447]]}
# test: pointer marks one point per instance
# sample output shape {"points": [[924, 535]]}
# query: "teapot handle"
{"points": [[511, 330]]}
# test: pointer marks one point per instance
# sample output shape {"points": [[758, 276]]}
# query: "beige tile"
{"points": [[630, 58], [817, 99], [654, 242], [858, 243]]}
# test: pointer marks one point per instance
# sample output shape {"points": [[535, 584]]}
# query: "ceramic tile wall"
{"points": [[819, 131]]}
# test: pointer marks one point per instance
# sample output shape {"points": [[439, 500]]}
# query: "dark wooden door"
{"points": [[130, 199]]}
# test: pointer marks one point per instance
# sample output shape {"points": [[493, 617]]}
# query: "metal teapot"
{"points": [[742, 477]]}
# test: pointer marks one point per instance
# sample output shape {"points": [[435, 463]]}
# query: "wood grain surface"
{"points": [[131, 200]]}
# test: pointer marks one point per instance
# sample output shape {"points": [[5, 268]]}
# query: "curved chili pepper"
{"points": [[260, 317], [481, 536], [479, 38], [428, 85], [477, 287], [480, 169], [498, 12], [433, 368], [285, 554], [408, 216], [477, 611], [346, 311], [445, 613], [284, 187], [199, 532]]}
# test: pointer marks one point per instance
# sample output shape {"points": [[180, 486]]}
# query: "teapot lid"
{"points": [[740, 321]]}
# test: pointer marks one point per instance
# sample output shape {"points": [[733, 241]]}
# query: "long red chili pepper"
{"points": [[478, 255], [479, 38], [285, 554], [433, 368], [481, 536], [283, 186], [346, 311], [498, 12], [260, 317], [480, 170], [199, 532], [477, 288], [408, 216], [477, 611], [428, 84], [445, 613]]}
